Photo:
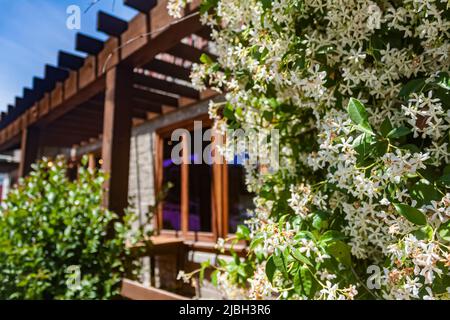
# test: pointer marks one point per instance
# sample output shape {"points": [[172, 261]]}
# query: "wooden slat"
{"points": [[69, 61], [136, 291], [167, 38], [132, 38], [110, 25], [42, 85], [141, 5], [155, 97], [87, 44], [44, 105], [56, 96], [205, 33], [188, 52], [71, 85], [88, 72], [147, 105], [166, 86], [54, 74], [83, 96], [31, 96], [169, 69]]}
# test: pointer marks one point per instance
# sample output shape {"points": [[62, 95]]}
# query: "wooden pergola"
{"points": [[140, 72]]}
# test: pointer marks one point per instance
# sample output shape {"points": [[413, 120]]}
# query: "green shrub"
{"points": [[56, 241]]}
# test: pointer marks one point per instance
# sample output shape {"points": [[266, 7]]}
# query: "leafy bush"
{"points": [[56, 241]]}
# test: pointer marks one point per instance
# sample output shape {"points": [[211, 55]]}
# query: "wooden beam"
{"points": [[60, 140], [169, 69], [110, 25], [143, 6], [76, 127], [11, 143], [188, 52], [205, 33], [166, 86], [146, 105], [155, 97], [54, 74], [78, 118], [31, 96], [42, 85], [83, 96], [29, 147], [69, 61], [163, 41], [88, 44], [116, 137]]}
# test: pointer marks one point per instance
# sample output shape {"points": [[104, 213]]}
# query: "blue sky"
{"points": [[32, 32]]}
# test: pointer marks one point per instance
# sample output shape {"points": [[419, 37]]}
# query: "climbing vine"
{"points": [[359, 91]]}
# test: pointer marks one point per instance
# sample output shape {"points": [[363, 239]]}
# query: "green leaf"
{"points": [[446, 170], [268, 116], [341, 252], [411, 147], [424, 233], [424, 193], [357, 112], [280, 263], [243, 232], [300, 257], [363, 146], [412, 86], [399, 132], [365, 127], [298, 282], [358, 115], [445, 179], [266, 4], [270, 268], [414, 215], [205, 59], [444, 81], [386, 127], [332, 235], [207, 5], [307, 280], [444, 231], [320, 220], [380, 148]]}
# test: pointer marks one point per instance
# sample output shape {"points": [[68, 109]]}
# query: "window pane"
{"points": [[239, 199], [199, 190], [172, 202]]}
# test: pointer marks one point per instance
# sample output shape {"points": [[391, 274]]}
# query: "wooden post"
{"points": [[29, 149], [116, 137], [92, 162]]}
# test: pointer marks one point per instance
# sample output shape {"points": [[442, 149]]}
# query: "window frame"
{"points": [[216, 211]]}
